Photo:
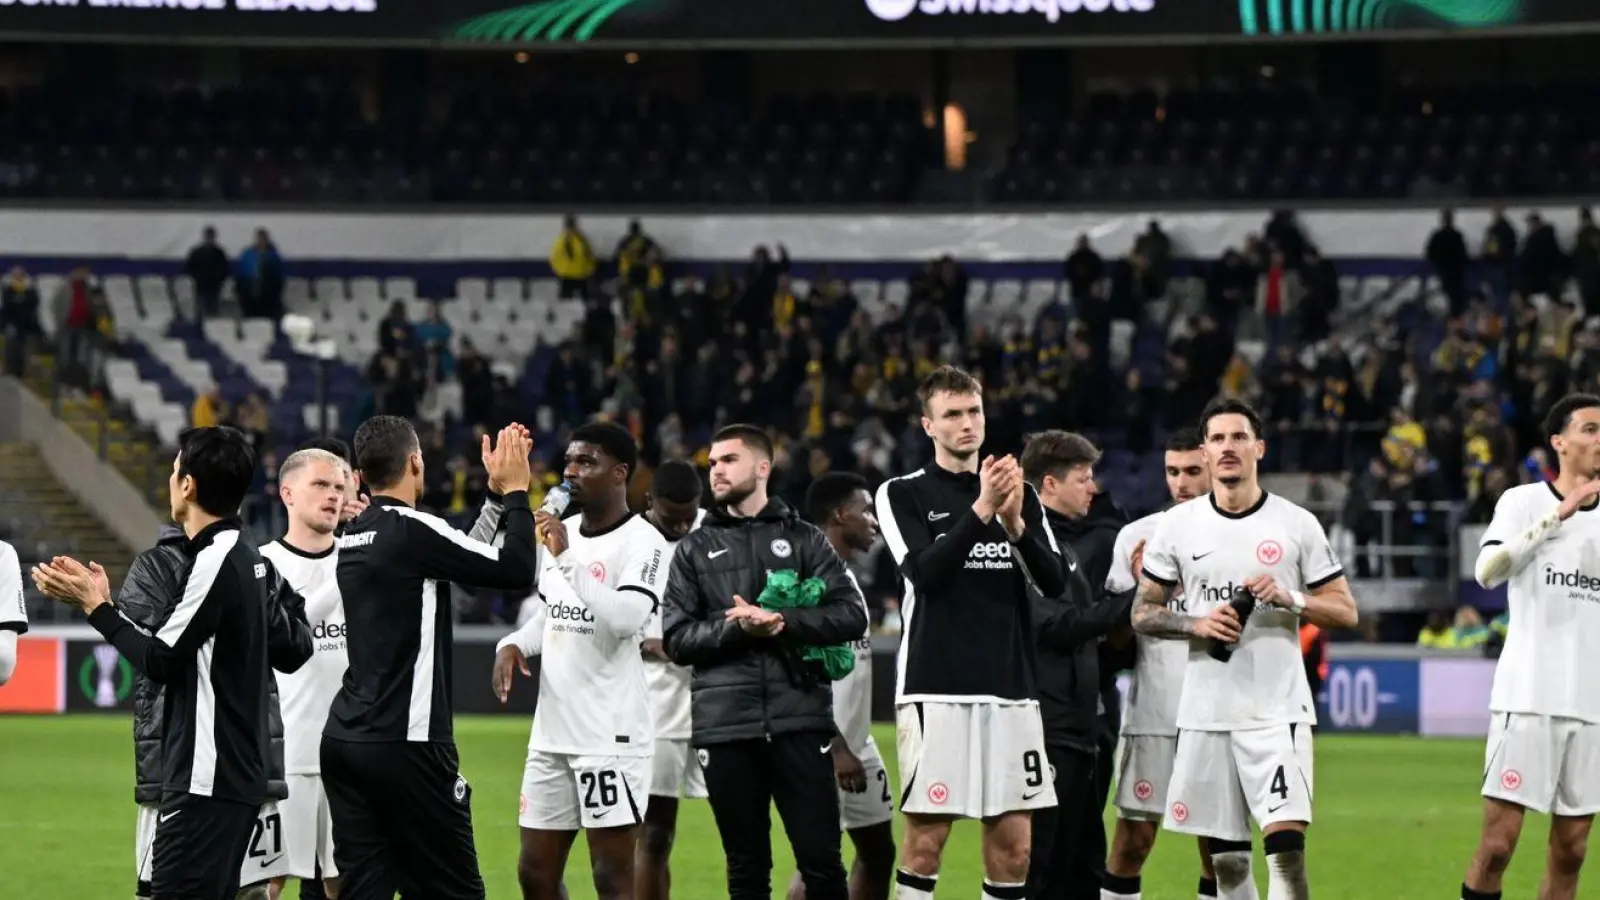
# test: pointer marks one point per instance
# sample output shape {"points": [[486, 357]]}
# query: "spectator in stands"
{"points": [[19, 318], [396, 335], [632, 253], [1436, 632], [1277, 294], [1447, 254], [209, 409], [1542, 264], [1083, 270], [251, 418], [76, 308], [477, 385], [207, 265], [1586, 262], [1498, 259], [259, 278], [572, 260], [434, 337]]}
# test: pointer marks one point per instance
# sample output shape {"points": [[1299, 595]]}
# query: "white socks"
{"points": [[995, 891], [1286, 866], [910, 886], [1235, 881]]}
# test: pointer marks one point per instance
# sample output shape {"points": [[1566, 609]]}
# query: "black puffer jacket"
{"points": [[148, 594], [747, 687], [1093, 539]]}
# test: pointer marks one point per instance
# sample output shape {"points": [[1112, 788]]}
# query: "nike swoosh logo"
{"points": [[934, 517], [268, 862], [715, 553], [828, 747], [1072, 567], [1273, 809], [1032, 795], [1204, 555], [161, 819], [602, 814]]}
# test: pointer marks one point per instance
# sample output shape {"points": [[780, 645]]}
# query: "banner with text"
{"points": [[746, 22]]}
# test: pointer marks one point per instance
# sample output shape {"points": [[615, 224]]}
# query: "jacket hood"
{"points": [[775, 511], [170, 534], [1104, 512]]}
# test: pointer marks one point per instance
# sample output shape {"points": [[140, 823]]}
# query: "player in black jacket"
{"points": [[402, 812], [762, 718], [969, 538], [214, 654]]}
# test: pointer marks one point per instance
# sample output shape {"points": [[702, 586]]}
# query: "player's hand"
{"points": [[353, 507], [69, 581], [989, 489], [1221, 625], [505, 661], [755, 621], [507, 461], [847, 769], [1136, 561], [652, 648], [1266, 589], [552, 532], [1010, 508], [1579, 497]]}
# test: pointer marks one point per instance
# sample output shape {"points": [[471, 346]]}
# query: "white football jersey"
{"points": [[13, 603], [669, 682], [852, 694], [1550, 666], [1211, 554], [593, 699], [306, 695], [1158, 669]]}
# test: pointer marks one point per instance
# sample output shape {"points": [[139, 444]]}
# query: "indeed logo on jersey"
{"points": [[1225, 593], [1052, 10], [1580, 585], [569, 617], [329, 636], [989, 555]]}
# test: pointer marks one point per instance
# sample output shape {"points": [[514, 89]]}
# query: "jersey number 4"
{"points": [[265, 824], [1280, 785], [604, 783]]}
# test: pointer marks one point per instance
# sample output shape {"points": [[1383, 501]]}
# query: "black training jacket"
{"points": [[748, 687], [1093, 539], [1069, 628], [211, 643], [396, 565], [966, 608]]}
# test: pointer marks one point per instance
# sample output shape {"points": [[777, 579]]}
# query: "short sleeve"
{"points": [[13, 603], [1161, 556], [1508, 521], [1121, 577], [1318, 563], [644, 568]]}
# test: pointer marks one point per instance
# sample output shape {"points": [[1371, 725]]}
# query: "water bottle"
{"points": [[1243, 603], [556, 499]]}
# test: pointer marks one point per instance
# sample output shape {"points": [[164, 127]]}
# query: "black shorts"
{"points": [[402, 821], [198, 846]]}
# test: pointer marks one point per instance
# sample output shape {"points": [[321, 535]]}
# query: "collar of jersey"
{"points": [[305, 554], [1593, 504], [607, 530], [206, 535], [387, 501], [1239, 515], [965, 479]]}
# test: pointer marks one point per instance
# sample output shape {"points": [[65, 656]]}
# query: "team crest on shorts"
{"points": [[1511, 779], [461, 789], [522, 804], [938, 794], [781, 549], [1143, 790], [1180, 813]]}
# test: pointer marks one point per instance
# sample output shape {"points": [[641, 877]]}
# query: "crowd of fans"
{"points": [[1428, 411]]}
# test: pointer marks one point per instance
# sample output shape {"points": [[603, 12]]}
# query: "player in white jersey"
{"points": [[840, 504], [314, 485], [13, 610], [674, 509], [593, 732], [1544, 734], [1251, 564], [1150, 725]]}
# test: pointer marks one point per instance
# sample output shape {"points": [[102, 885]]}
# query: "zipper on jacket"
{"points": [[766, 713]]}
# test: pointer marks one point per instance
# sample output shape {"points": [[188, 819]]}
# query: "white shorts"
{"points": [[875, 805], [562, 792], [1223, 779], [675, 772], [1144, 775], [266, 859], [972, 760], [1544, 763], [308, 828]]}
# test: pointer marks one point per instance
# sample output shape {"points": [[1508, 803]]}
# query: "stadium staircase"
{"points": [[41, 518]]}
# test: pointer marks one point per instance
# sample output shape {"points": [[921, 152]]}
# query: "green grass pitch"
{"points": [[1397, 818]]}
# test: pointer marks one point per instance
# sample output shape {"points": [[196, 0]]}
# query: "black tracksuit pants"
{"points": [[795, 773], [1063, 864]]}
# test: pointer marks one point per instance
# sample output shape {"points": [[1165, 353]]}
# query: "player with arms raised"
{"points": [[1544, 736], [589, 751], [674, 509], [1150, 726], [839, 503], [1250, 564]]}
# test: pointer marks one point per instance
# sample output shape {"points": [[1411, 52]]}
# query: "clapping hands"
{"points": [[507, 459], [72, 583], [755, 621]]}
